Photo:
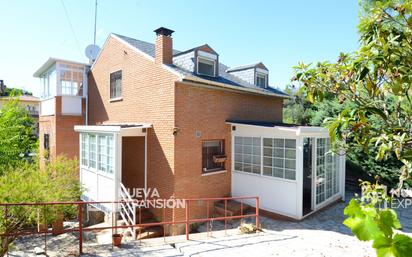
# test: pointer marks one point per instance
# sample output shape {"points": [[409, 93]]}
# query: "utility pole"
{"points": [[95, 21]]}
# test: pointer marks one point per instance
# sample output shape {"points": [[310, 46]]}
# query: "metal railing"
{"points": [[187, 221], [128, 209]]}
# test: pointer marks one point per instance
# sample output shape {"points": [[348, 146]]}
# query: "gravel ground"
{"points": [[321, 234]]}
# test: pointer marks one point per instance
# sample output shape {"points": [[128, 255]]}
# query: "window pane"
{"points": [[102, 153], [267, 151], [92, 141], [290, 154], [279, 142], [267, 171], [278, 173], [260, 80], [267, 161], [256, 169], [278, 163], [290, 164], [290, 143], [85, 149], [268, 142], [210, 149], [256, 160], [116, 84], [206, 67], [290, 174], [248, 154], [279, 152], [247, 149]]}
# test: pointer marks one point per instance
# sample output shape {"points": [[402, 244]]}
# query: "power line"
{"points": [[95, 20], [71, 27]]}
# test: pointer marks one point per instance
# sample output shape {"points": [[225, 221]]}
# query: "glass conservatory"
{"points": [[291, 168]]}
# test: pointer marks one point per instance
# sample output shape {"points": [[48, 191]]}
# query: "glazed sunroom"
{"points": [[104, 167], [291, 168]]}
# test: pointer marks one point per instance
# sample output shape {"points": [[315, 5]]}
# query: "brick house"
{"points": [[184, 123]]}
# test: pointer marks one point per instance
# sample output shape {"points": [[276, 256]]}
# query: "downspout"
{"points": [[86, 83]]}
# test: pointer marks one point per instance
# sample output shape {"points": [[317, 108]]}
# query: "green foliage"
{"points": [[13, 91], [370, 223], [17, 138], [58, 181], [377, 80]]}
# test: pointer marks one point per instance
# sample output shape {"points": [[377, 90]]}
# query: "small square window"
{"points": [[211, 149], [260, 80], [205, 67]]}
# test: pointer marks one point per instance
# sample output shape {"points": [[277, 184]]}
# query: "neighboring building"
{"points": [[31, 103], [2, 86], [188, 125]]}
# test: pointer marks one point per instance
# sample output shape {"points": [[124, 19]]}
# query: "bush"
{"points": [[58, 181]]}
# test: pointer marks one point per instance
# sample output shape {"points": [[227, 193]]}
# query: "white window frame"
{"points": [[335, 181], [262, 158], [117, 98], [252, 154], [97, 153], [222, 150], [260, 74], [199, 58], [284, 158]]}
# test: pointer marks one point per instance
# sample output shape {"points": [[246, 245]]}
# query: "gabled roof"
{"points": [[247, 66], [196, 48], [223, 78]]}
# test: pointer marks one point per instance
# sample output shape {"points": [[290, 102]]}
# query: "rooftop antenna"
{"points": [[92, 51], [95, 21]]}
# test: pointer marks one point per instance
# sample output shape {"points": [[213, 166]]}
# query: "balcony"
{"points": [[62, 105], [63, 87]]}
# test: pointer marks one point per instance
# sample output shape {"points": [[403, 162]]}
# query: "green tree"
{"points": [[58, 181], [17, 138], [377, 79]]}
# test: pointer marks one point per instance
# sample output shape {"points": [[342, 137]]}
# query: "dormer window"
{"points": [[260, 79], [206, 66]]}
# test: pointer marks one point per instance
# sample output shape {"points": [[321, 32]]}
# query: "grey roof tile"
{"points": [[224, 76]]}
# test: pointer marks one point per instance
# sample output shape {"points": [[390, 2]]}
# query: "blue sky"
{"points": [[278, 33]]}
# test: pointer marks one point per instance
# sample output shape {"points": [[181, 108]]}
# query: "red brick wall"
{"points": [[47, 126], [67, 140], [206, 110], [133, 162]]}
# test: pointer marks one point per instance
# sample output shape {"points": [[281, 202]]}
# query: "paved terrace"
{"points": [[319, 235]]}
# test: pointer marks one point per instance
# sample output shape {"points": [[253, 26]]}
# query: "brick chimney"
{"points": [[164, 46]]}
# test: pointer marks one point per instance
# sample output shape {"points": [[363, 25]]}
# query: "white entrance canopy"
{"points": [[291, 168], [101, 159]]}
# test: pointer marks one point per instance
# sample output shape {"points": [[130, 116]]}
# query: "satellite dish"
{"points": [[92, 51]]}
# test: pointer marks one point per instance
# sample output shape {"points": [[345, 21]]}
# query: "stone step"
{"points": [[149, 232], [233, 208]]}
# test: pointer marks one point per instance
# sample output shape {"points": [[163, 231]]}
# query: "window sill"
{"points": [[213, 172], [117, 99]]}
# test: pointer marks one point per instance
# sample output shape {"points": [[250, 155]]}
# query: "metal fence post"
{"points": [[80, 228], [257, 212], [187, 219], [45, 230], [6, 214]]}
